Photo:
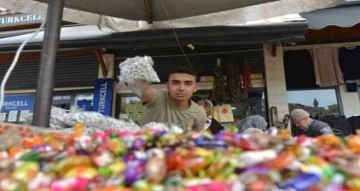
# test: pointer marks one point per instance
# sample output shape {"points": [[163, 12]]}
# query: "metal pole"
{"points": [[49, 51]]}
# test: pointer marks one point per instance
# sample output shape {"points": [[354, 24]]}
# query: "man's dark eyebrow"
{"points": [[187, 81]]}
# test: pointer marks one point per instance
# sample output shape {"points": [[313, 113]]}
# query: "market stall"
{"points": [[148, 11], [89, 151]]}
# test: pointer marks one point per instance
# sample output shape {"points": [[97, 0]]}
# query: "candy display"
{"points": [[159, 158]]}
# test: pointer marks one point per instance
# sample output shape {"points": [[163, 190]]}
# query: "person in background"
{"points": [[254, 124], [174, 106], [311, 127], [214, 125]]}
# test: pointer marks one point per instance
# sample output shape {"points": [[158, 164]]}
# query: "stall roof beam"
{"points": [[201, 36]]}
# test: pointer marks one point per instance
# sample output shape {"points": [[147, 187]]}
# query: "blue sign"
{"points": [[18, 103], [84, 105], [103, 91]]}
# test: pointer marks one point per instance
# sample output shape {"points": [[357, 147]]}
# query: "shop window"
{"points": [[318, 102], [131, 108], [84, 101], [17, 107]]}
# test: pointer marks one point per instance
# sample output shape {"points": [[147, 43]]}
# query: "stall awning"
{"points": [[336, 24], [345, 15]]}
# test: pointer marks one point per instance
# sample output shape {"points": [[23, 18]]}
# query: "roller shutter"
{"points": [[69, 72]]}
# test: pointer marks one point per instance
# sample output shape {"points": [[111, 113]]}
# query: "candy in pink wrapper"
{"points": [[69, 184], [211, 186], [40, 182]]}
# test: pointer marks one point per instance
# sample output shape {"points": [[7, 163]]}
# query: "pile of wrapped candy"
{"points": [[61, 119], [154, 159]]}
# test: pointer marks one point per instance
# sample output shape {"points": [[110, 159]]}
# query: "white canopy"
{"points": [[157, 10], [232, 17]]}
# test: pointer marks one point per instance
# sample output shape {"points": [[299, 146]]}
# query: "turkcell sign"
{"points": [[18, 103], [103, 91]]}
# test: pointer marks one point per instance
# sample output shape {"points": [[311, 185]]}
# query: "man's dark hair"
{"points": [[181, 70]]}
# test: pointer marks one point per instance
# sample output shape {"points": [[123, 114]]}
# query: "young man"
{"points": [[311, 127], [174, 105]]}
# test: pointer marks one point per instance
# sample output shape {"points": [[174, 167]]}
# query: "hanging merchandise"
{"points": [[326, 67], [220, 95], [233, 82], [246, 77], [349, 62], [299, 69]]}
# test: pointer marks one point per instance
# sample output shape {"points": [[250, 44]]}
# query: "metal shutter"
{"points": [[69, 72]]}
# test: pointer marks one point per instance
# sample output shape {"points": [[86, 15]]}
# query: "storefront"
{"points": [[237, 45], [76, 69], [332, 32], [202, 47], [292, 78], [75, 79]]}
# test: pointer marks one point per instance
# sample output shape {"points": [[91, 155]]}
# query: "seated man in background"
{"points": [[310, 127], [214, 125], [174, 106]]}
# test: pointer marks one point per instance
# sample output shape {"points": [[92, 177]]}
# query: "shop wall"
{"points": [[350, 102], [275, 80], [106, 67]]}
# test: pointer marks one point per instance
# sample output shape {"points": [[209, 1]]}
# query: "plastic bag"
{"points": [[138, 87], [137, 73], [137, 68]]}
